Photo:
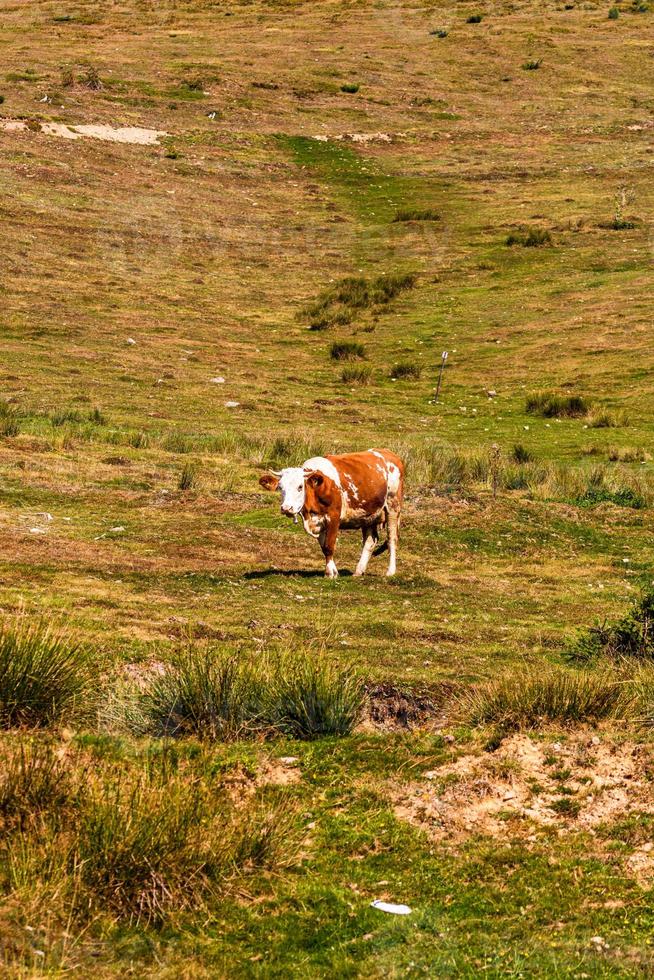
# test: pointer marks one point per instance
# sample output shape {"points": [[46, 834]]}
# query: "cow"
{"points": [[353, 490]]}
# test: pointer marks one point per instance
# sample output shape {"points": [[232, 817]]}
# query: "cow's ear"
{"points": [[315, 480], [269, 481]]}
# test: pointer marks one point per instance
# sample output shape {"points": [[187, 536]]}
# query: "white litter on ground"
{"points": [[389, 907]]}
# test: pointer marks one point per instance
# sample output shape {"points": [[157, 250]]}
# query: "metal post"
{"points": [[440, 375]]}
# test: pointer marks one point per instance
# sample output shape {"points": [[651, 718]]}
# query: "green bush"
{"points": [[312, 699], [475, 19], [629, 637], [614, 13], [350, 87]]}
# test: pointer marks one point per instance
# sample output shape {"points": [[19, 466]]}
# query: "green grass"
{"points": [[135, 276]]}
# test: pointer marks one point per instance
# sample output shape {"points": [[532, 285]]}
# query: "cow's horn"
{"points": [[277, 472]]}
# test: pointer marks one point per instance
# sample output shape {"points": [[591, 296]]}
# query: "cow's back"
{"points": [[367, 479]]}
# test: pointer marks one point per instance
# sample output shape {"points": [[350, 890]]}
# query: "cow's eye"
{"points": [[300, 487]]}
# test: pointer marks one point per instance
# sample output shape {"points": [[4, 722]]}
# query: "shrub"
{"points": [[325, 320], [356, 375], [629, 637], [43, 674], [614, 13], [347, 350], [550, 405], [534, 238], [350, 87], [352, 294], [415, 214], [189, 478], [406, 370], [623, 497], [9, 420], [526, 699], [439, 32], [618, 224], [532, 64], [67, 76], [312, 699], [475, 19]]}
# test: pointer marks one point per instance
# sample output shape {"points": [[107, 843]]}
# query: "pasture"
{"points": [[213, 758]]}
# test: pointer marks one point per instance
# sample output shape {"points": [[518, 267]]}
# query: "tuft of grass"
{"points": [[533, 238], [630, 637], [406, 370], [520, 454], [44, 674], [97, 417], [350, 87], [216, 697], [9, 420], [614, 13], [189, 478], [351, 295], [475, 19], [439, 32], [91, 78], [537, 695], [416, 214], [602, 418], [33, 778], [533, 64], [313, 699], [347, 350], [357, 375], [550, 405]]}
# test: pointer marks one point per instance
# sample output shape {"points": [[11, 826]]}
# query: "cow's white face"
{"points": [[291, 487]]}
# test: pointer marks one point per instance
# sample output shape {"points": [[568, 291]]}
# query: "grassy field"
{"points": [[411, 179]]}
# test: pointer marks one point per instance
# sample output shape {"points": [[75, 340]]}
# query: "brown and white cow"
{"points": [[355, 490]]}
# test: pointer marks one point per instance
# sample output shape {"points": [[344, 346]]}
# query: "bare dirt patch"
{"points": [[390, 706], [579, 782], [112, 134]]}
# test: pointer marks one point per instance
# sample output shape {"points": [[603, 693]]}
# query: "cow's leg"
{"points": [[370, 538], [393, 527], [327, 541]]}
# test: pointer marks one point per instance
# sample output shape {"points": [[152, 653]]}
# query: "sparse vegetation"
{"points": [[350, 87], [532, 64], [353, 295], [474, 19], [90, 78], [9, 420], [614, 13], [189, 478]]}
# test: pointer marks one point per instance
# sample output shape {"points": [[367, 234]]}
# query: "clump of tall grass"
{"points": [[217, 697], [602, 418], [628, 454], [339, 302], [550, 405], [533, 238], [520, 454], [533, 696], [189, 478], [9, 420], [416, 214], [357, 375], [347, 350], [405, 371], [33, 778], [631, 637], [313, 700], [44, 674], [532, 64]]}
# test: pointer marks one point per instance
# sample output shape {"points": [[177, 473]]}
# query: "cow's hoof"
{"points": [[390, 572], [357, 574]]}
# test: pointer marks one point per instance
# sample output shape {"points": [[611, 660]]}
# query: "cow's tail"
{"points": [[381, 548]]}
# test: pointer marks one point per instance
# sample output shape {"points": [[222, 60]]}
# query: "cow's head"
{"points": [[321, 499], [290, 482]]}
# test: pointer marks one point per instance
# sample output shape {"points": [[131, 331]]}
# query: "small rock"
{"points": [[131, 341], [289, 760], [37, 530], [217, 381], [232, 404], [491, 394], [509, 796], [595, 740], [647, 847], [118, 529]]}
